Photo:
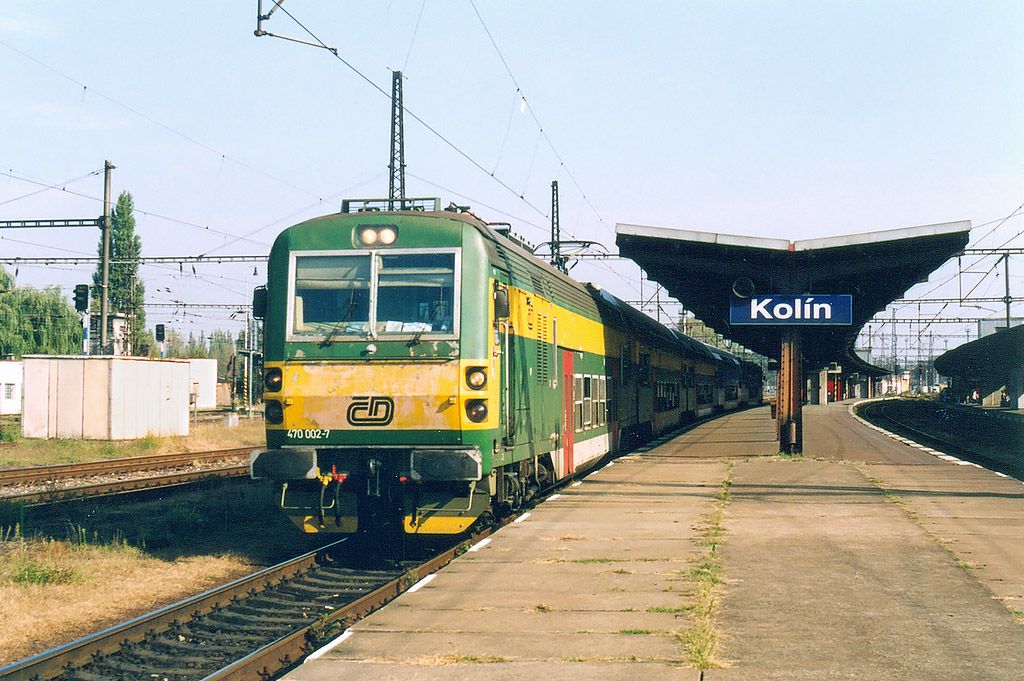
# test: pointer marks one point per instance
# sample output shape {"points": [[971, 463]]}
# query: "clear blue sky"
{"points": [[787, 119]]}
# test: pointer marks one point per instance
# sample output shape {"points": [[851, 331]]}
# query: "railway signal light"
{"points": [[160, 333], [82, 297]]}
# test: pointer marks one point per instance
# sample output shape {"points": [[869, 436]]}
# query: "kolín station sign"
{"points": [[792, 310]]}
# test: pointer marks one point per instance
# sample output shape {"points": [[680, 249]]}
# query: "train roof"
{"points": [[608, 306]]}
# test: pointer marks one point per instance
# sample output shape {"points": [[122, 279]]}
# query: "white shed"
{"points": [[104, 398], [10, 387], [203, 376]]}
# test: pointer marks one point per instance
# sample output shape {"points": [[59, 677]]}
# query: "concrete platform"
{"points": [[864, 559]]}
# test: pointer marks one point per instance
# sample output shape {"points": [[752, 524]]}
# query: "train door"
{"points": [[503, 340], [568, 422]]}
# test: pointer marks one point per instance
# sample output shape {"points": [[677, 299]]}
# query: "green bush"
{"points": [[31, 572]]}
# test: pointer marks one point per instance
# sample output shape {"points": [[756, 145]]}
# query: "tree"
{"points": [[34, 321], [222, 347], [196, 347], [127, 292]]}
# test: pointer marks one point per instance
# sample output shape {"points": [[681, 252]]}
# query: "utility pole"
{"points": [[557, 261], [1006, 281], [396, 184], [105, 285], [895, 361]]}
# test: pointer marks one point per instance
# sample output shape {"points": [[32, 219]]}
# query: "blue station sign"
{"points": [[792, 310]]}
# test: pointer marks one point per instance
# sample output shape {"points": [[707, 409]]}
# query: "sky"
{"points": [[784, 119]]}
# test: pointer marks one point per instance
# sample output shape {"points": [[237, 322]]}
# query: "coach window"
{"points": [[601, 404], [588, 400], [578, 402], [331, 295]]}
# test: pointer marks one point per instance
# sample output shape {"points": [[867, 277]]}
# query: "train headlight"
{"points": [[272, 379], [476, 378], [273, 412], [376, 235], [476, 410], [367, 236], [387, 235]]}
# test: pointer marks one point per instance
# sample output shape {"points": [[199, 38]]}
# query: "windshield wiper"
{"points": [[326, 342], [415, 340]]}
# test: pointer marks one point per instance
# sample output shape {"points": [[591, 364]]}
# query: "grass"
{"points": [[39, 452], [60, 589], [701, 638], [9, 432]]}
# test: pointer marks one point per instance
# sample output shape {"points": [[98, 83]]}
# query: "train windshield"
{"points": [[390, 293], [415, 293], [332, 295]]}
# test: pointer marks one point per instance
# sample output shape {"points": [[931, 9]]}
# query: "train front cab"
{"points": [[382, 376]]}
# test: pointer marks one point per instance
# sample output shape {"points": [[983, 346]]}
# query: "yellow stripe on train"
{"points": [[339, 395]]}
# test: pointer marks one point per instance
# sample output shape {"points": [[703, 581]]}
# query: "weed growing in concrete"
{"points": [[701, 644], [671, 611], [409, 578], [700, 639], [540, 607], [637, 632]]}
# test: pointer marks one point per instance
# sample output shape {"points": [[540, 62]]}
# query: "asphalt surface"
{"points": [[865, 558]]}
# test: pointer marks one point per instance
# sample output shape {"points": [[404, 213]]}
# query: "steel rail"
{"points": [[54, 663], [14, 476], [288, 650], [267, 660], [99, 489]]}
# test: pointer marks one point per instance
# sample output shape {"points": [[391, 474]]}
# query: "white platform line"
{"points": [[521, 518], [554, 496], [480, 544], [576, 484], [422, 583], [330, 646]]}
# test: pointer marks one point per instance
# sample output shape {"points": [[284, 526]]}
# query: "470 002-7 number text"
{"points": [[309, 433]]}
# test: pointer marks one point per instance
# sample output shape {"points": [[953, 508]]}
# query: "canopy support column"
{"points": [[790, 394]]}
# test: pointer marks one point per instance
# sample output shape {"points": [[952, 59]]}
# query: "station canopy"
{"points": [[702, 269], [988, 362]]}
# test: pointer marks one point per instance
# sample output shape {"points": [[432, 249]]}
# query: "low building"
{"points": [[104, 398], [203, 378], [10, 387]]}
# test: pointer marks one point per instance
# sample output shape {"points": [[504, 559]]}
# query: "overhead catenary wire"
{"points": [[158, 123], [142, 211], [533, 114], [434, 131], [60, 185]]}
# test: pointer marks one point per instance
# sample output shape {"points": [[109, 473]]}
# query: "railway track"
{"points": [[885, 411], [252, 628], [48, 484], [962, 432]]}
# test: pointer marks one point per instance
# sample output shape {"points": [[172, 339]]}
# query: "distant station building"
{"points": [[10, 387], [989, 370], [105, 398], [801, 302]]}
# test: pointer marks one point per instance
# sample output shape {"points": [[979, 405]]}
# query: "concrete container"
{"points": [[10, 387], [203, 377], [104, 398]]}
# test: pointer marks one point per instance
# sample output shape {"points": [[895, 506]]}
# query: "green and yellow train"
{"points": [[422, 371]]}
